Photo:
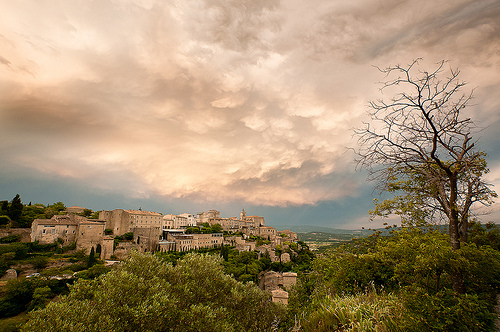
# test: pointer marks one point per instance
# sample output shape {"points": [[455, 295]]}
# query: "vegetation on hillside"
{"points": [[419, 147], [148, 294], [401, 282], [17, 214]]}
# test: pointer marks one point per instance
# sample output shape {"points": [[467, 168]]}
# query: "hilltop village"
{"points": [[118, 232]]}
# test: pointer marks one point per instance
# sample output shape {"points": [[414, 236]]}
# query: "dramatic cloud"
{"points": [[220, 100]]}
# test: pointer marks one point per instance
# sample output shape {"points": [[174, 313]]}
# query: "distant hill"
{"points": [[312, 228], [320, 238]]}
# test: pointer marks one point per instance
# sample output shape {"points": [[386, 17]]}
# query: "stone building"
{"points": [[171, 221], [74, 209], [204, 217], [291, 236], [147, 238], [124, 221], [279, 296], [176, 240], [278, 284], [73, 228], [58, 227], [272, 280], [89, 234], [266, 232], [192, 220]]}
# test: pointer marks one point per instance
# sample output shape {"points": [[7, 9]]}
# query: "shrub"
{"points": [[71, 246], [4, 220], [40, 262], [93, 272], [20, 249], [361, 312], [10, 238], [128, 236], [444, 311], [146, 294]]}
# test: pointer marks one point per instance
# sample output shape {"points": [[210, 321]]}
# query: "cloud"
{"points": [[219, 100]]}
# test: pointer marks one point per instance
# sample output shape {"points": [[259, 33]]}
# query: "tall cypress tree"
{"points": [[91, 262], [16, 208]]}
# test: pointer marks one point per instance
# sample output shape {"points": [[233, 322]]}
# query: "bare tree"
{"points": [[419, 146]]}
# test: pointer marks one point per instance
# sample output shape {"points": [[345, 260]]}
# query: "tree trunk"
{"points": [[464, 229], [456, 276]]}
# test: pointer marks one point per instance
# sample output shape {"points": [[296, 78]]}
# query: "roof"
{"points": [[150, 213], [55, 222]]}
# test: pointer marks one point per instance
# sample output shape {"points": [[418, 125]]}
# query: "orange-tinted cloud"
{"points": [[219, 100]]}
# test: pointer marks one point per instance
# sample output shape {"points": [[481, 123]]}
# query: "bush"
{"points": [[128, 236], [8, 256], [40, 262], [71, 246], [20, 249], [93, 272], [361, 312], [444, 311], [4, 220], [146, 294], [10, 238], [37, 247]]}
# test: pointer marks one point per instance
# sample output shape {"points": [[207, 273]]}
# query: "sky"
{"points": [[189, 105]]}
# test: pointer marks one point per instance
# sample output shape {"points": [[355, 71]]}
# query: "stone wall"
{"points": [[147, 238], [117, 220], [89, 234], [25, 233]]}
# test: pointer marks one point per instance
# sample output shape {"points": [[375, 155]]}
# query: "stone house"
{"points": [[272, 280], [176, 240], [266, 232], [58, 227], [171, 221], [279, 296], [291, 236], [124, 221], [278, 284], [73, 228]]}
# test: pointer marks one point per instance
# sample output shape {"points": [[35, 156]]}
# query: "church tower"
{"points": [[243, 215]]}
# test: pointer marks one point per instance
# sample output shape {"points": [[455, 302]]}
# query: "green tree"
{"points": [[98, 250], [30, 213], [216, 228], [147, 294], [4, 220], [4, 207], [419, 146], [87, 213], [15, 208], [41, 296], [91, 260]]}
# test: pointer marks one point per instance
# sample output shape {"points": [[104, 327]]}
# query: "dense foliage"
{"points": [[148, 294], [401, 282], [17, 214]]}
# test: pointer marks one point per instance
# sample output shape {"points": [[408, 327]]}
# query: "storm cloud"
{"points": [[220, 100]]}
